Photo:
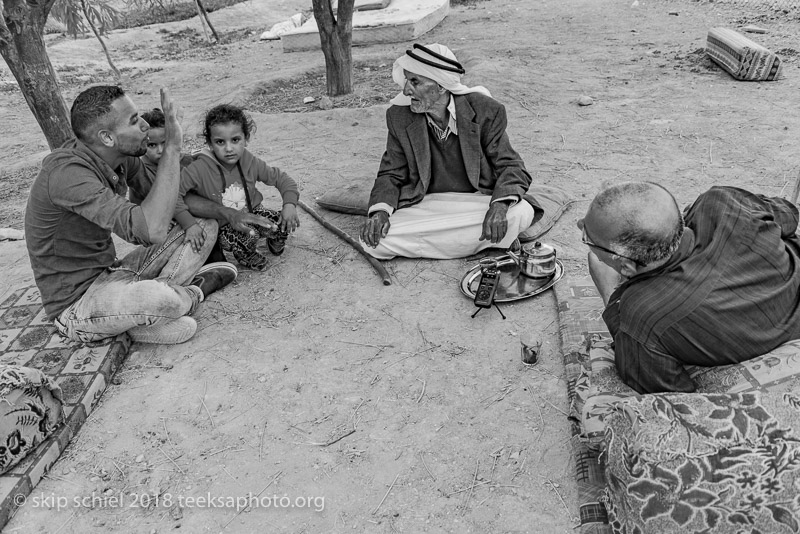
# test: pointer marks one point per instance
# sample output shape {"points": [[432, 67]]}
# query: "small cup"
{"points": [[488, 264], [530, 345]]}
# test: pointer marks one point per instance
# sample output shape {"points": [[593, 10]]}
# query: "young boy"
{"points": [[140, 185], [156, 136]]}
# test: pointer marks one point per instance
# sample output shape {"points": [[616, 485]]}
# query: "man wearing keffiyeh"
{"points": [[449, 183]]}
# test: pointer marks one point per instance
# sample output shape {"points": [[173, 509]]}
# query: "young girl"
{"points": [[226, 172]]}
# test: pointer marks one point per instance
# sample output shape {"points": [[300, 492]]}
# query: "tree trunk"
{"points": [[202, 24], [336, 38], [204, 15], [22, 46]]}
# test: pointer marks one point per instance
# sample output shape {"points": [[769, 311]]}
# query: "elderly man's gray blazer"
{"points": [[493, 167]]}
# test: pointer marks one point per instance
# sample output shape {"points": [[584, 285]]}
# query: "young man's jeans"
{"points": [[145, 289]]}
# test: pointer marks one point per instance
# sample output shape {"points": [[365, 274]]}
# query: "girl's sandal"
{"points": [[256, 261], [276, 245]]}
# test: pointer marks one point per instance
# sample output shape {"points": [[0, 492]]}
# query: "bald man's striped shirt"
{"points": [[730, 293]]}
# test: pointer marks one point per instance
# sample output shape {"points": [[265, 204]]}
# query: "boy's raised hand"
{"points": [[172, 117], [289, 220]]}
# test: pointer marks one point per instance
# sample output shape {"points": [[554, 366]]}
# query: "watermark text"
{"points": [[110, 499]]}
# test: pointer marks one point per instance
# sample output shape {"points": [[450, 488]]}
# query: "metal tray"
{"points": [[513, 285]]}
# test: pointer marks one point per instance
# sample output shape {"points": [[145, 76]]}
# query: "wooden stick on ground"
{"points": [[380, 269], [375, 511]]}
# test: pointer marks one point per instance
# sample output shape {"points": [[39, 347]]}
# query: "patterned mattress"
{"points": [[82, 371]]}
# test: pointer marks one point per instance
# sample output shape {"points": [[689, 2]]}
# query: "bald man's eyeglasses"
{"points": [[585, 240]]}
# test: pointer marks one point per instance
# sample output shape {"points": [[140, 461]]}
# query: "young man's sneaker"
{"points": [[214, 276], [166, 333]]}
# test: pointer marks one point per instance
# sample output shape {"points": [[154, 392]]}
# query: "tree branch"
{"points": [[5, 33], [344, 13], [46, 7], [322, 13]]}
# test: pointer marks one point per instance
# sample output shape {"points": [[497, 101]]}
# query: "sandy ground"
{"points": [[442, 428]]}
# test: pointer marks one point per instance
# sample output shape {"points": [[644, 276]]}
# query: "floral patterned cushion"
{"points": [[721, 463], [31, 408], [595, 390], [776, 371]]}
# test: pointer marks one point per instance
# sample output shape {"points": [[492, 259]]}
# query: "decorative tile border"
{"points": [[579, 320]]}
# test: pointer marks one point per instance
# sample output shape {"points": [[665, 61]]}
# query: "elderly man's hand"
{"points": [[376, 228], [495, 224]]}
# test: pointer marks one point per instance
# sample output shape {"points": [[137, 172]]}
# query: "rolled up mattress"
{"points": [[742, 58]]}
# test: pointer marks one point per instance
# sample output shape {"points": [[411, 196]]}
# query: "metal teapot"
{"points": [[535, 260]]}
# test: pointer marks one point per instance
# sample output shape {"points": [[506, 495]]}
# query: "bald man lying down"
{"points": [[715, 285]]}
